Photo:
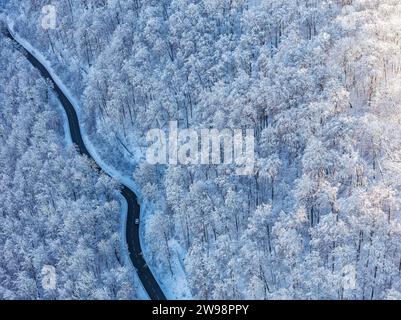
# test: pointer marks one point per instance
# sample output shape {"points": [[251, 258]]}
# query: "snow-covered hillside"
{"points": [[318, 82]]}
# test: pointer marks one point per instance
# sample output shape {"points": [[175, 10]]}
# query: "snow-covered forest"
{"points": [[318, 80], [55, 209]]}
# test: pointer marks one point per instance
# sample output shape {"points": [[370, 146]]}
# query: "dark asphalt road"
{"points": [[132, 232]]}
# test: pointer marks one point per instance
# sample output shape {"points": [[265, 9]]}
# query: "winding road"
{"points": [[132, 231]]}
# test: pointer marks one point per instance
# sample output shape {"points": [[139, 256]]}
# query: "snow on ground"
{"points": [[178, 285], [174, 287]]}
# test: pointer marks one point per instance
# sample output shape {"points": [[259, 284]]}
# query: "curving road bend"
{"points": [[132, 231]]}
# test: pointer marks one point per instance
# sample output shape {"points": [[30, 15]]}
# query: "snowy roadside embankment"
{"points": [[175, 287], [140, 291]]}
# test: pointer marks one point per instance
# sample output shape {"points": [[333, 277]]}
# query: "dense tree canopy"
{"points": [[318, 81], [56, 210]]}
